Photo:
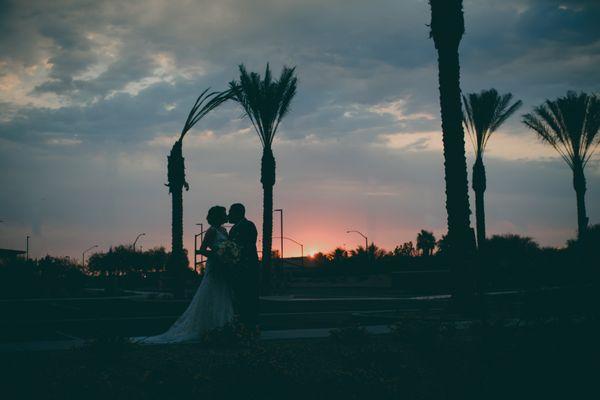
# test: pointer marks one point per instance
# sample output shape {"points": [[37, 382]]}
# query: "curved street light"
{"points": [[295, 241], [83, 254], [367, 258], [366, 239], [136, 239]]}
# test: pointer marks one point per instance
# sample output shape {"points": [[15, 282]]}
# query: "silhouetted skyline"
{"points": [[90, 108]]}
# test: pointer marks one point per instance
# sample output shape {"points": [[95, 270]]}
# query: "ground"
{"points": [[538, 343], [421, 359]]}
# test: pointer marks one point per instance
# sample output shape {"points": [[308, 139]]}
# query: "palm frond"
{"points": [[484, 113], [204, 104], [592, 129], [264, 101], [570, 124]]}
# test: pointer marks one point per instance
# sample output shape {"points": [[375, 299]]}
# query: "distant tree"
{"points": [[426, 243], [570, 124], [406, 249], [376, 253], [99, 264], [121, 260], [442, 245], [338, 256], [360, 251], [511, 246], [60, 275], [484, 113], [153, 260], [588, 243], [447, 28], [320, 259], [373, 252], [265, 102], [45, 276]]}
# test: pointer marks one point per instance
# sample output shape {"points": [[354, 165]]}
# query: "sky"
{"points": [[94, 93]]}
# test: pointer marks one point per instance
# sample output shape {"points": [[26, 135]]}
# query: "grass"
{"points": [[553, 358]]}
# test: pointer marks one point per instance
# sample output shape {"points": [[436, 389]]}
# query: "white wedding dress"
{"points": [[211, 307]]}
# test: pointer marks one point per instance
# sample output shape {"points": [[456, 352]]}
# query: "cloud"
{"points": [[94, 93]]}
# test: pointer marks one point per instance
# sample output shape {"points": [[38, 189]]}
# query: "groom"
{"points": [[246, 283]]}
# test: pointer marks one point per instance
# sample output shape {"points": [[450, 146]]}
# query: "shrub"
{"points": [[233, 334]]}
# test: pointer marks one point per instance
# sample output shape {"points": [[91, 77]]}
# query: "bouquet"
{"points": [[228, 256]]}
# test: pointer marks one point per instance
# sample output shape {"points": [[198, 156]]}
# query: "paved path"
{"points": [[285, 334]]}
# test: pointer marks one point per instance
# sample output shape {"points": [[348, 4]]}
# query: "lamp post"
{"points": [[280, 211], [298, 243], [136, 239], [366, 239], [83, 254], [27, 249], [367, 258]]}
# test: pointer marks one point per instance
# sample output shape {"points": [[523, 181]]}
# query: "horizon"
{"points": [[90, 108]]}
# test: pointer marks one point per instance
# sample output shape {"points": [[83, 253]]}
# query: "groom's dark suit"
{"points": [[246, 281]]}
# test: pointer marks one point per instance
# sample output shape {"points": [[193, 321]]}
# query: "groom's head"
{"points": [[237, 212]]}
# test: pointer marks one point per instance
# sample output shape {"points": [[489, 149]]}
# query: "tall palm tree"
{"points": [[483, 113], [265, 102], [447, 28], [570, 124], [205, 103]]}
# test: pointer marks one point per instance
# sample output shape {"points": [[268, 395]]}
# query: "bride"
{"points": [[212, 305]]}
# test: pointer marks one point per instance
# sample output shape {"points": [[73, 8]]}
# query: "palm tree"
{"points": [[205, 103], [371, 252], [447, 28], [406, 249], [338, 255], [570, 124], [265, 102], [483, 113], [426, 242]]}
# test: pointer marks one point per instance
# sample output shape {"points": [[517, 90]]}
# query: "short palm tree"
{"points": [[265, 102], [426, 242], [338, 255], [205, 103], [483, 113], [570, 124]]}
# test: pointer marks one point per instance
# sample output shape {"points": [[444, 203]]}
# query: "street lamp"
{"points": [[83, 254], [280, 211], [366, 240], [298, 243], [136, 239], [27, 249]]}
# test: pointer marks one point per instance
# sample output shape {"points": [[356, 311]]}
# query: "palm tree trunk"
{"points": [[177, 220], [447, 28], [580, 188], [176, 178], [268, 181], [479, 186]]}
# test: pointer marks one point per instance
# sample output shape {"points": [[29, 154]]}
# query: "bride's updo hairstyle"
{"points": [[217, 215]]}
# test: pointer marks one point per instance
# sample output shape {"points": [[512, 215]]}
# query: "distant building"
{"points": [[296, 263], [9, 254]]}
